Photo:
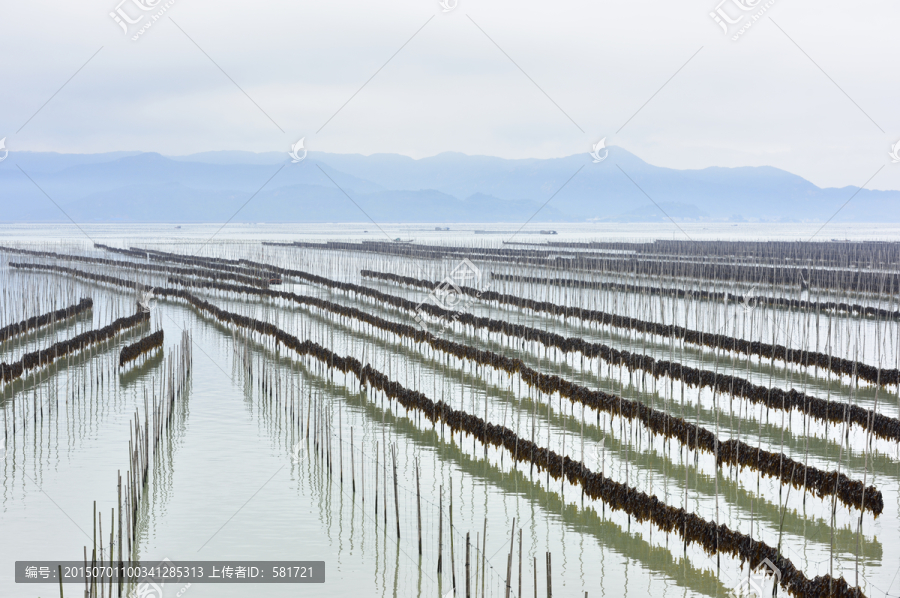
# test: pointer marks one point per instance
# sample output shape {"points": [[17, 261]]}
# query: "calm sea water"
{"points": [[228, 487]]}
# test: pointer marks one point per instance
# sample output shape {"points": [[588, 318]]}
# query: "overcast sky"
{"points": [[824, 106]]}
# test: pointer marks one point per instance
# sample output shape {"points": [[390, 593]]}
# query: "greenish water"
{"points": [[227, 486]]}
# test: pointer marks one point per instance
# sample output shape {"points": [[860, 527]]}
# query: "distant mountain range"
{"points": [[449, 187]]}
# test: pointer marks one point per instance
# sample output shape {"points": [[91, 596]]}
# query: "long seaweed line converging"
{"points": [[844, 367], [10, 372], [712, 538], [730, 452], [34, 322]]}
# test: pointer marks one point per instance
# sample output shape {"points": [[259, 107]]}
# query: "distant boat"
{"points": [[548, 232], [399, 240], [179, 226]]}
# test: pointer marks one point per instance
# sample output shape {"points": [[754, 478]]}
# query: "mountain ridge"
{"points": [[447, 187]]}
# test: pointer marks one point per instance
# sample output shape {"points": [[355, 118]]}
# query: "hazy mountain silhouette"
{"points": [[449, 187]]}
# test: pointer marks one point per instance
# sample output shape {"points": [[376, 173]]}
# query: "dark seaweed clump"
{"points": [[145, 345], [712, 538], [844, 367], [787, 470], [10, 372], [7, 332]]}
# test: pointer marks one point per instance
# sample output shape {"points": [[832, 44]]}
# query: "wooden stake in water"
{"points": [[512, 537], [519, 593], [483, 547], [396, 498], [468, 584], [452, 560], [376, 483], [440, 529], [419, 508], [549, 579]]}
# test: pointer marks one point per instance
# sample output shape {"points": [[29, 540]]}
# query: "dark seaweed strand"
{"points": [[691, 527], [775, 398], [780, 274], [775, 465], [7, 332], [885, 427], [710, 537], [787, 303], [215, 263], [10, 372], [133, 253], [845, 367], [145, 345], [213, 274]]}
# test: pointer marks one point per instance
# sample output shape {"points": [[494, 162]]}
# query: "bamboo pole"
{"points": [[468, 584], [440, 530], [396, 498], [549, 578], [419, 507]]}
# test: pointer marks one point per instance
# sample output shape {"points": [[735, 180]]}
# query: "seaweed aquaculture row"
{"points": [[822, 306], [132, 252], [843, 254], [712, 538], [773, 398], [15, 329], [204, 273], [237, 266], [225, 265], [145, 345], [883, 282], [731, 452], [121, 282], [824, 361], [10, 372]]}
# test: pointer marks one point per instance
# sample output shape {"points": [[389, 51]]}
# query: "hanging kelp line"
{"points": [[844, 367], [35, 322], [729, 452], [694, 529], [10, 372], [145, 345]]}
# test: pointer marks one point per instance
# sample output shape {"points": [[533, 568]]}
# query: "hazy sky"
{"points": [[760, 100]]}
